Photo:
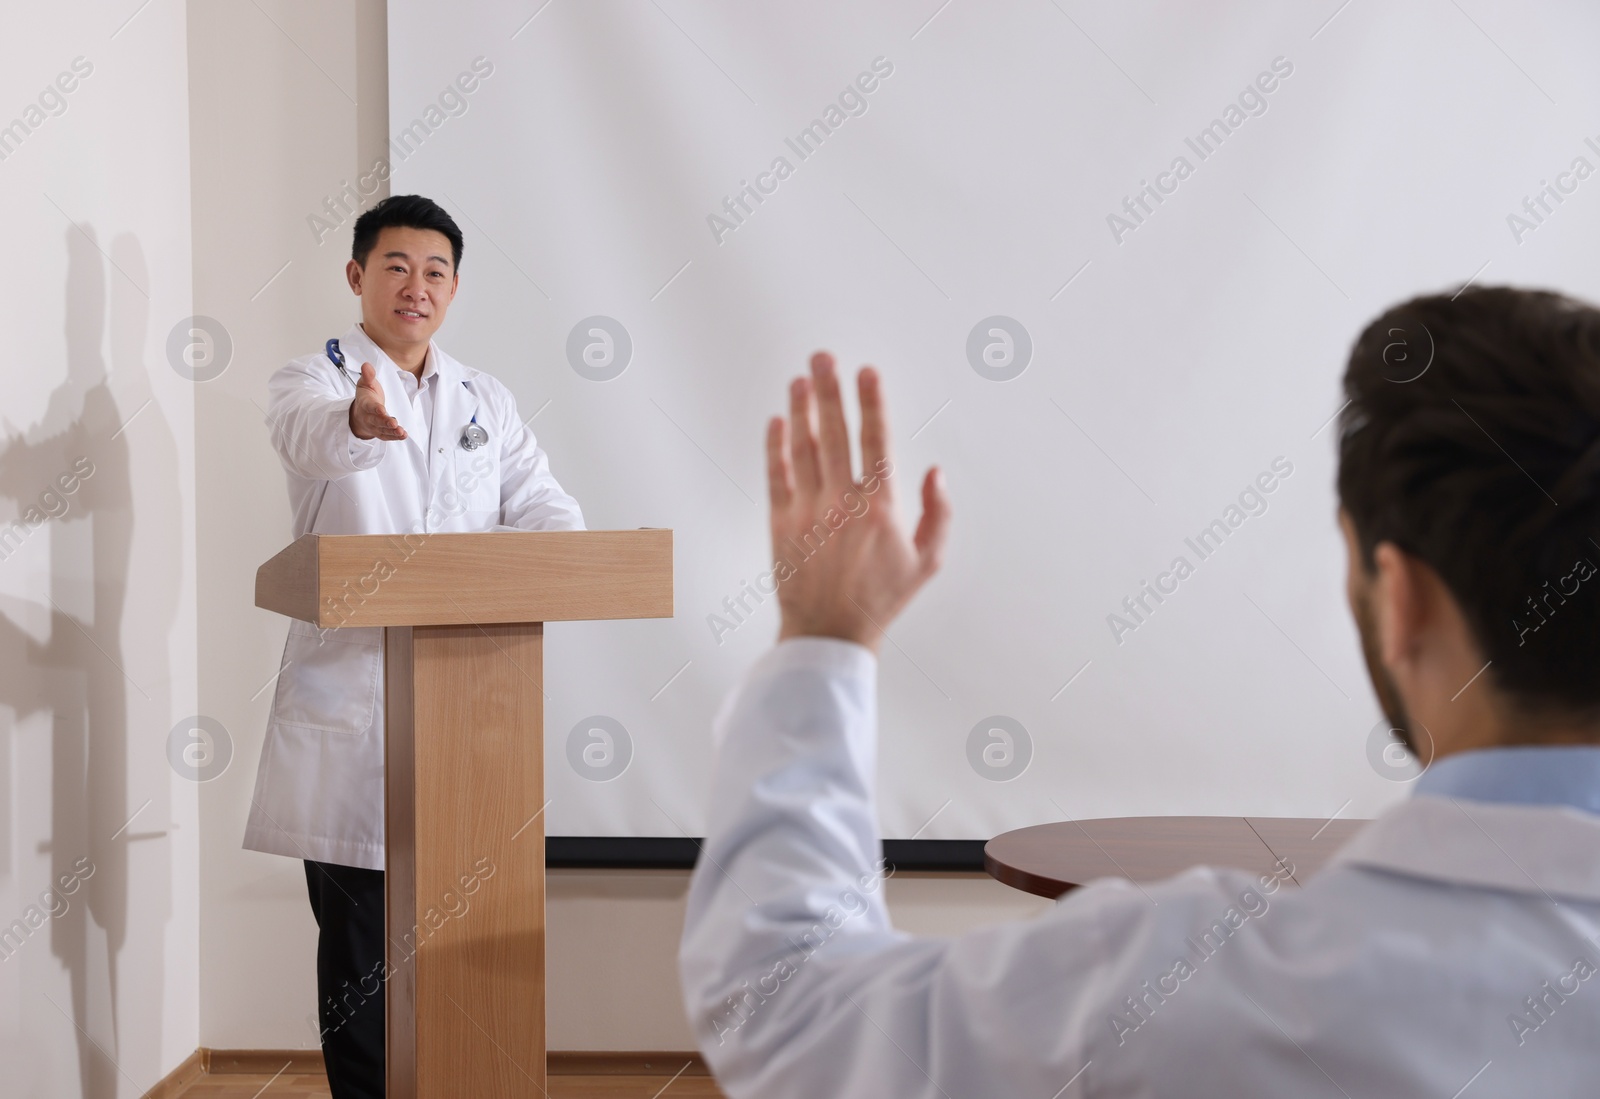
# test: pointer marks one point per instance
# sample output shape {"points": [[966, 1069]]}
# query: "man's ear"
{"points": [[352, 275], [1401, 601]]}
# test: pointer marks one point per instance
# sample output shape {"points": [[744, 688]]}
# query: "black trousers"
{"points": [[348, 904]]}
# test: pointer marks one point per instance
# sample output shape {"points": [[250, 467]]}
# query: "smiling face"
{"points": [[406, 287]]}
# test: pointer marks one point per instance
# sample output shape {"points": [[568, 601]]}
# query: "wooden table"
{"points": [[1050, 859]]}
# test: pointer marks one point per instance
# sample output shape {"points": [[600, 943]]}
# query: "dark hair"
{"points": [[407, 212], [1472, 441]]}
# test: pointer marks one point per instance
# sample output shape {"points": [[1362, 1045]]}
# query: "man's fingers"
{"points": [[874, 431], [390, 426], [934, 527], [368, 416], [834, 461], [802, 438], [377, 424], [780, 483]]}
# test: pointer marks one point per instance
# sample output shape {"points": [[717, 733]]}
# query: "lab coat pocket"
{"points": [[330, 679], [476, 479]]}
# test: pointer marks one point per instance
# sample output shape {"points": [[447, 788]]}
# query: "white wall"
{"points": [[97, 605], [273, 93], [613, 942]]}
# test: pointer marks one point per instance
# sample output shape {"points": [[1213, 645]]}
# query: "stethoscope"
{"points": [[472, 436]]}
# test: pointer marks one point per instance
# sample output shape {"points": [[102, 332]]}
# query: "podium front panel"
{"points": [[465, 874]]}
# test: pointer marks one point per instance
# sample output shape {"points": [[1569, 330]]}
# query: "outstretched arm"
{"points": [[319, 429]]}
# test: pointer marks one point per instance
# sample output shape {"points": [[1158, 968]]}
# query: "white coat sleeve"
{"points": [[795, 981], [308, 416], [530, 496]]}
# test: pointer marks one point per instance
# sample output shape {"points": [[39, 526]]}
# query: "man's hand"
{"points": [[851, 568], [368, 418]]}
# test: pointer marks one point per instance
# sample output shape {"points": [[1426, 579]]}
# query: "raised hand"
{"points": [[851, 568], [368, 417]]}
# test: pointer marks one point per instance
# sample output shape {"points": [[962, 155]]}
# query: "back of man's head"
{"points": [[1472, 442]]}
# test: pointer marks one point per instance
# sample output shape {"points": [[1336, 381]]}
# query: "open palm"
{"points": [[369, 419], [845, 568]]}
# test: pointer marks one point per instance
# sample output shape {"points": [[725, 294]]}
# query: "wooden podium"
{"points": [[463, 618]]}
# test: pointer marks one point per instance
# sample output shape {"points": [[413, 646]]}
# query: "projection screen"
{"points": [[1109, 260]]}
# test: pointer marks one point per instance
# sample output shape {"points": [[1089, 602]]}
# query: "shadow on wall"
{"points": [[64, 669]]}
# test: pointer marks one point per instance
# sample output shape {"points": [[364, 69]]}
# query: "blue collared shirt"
{"points": [[1524, 775]]}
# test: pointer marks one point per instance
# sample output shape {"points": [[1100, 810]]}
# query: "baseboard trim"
{"points": [[562, 1062], [190, 1069], [261, 1062]]}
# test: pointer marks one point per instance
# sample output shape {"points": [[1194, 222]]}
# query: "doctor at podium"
{"points": [[381, 433]]}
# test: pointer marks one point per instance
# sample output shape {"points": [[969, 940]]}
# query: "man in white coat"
{"points": [[1449, 950], [383, 433]]}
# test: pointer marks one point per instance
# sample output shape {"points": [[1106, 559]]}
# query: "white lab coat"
{"points": [[1448, 950], [319, 789]]}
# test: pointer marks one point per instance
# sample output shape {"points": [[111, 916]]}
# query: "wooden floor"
{"points": [[244, 1086], [290, 1085]]}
